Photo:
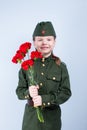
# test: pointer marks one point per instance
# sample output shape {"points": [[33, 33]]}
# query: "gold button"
{"points": [[54, 78], [44, 104], [25, 96], [41, 84], [48, 103], [43, 65], [42, 73], [43, 59]]}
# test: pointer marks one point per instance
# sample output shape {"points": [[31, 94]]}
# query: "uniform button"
{"points": [[44, 104], [43, 65], [54, 78], [48, 103], [42, 73], [25, 97], [41, 84], [43, 59]]}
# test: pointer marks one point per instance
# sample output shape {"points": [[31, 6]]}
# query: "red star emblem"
{"points": [[43, 32]]}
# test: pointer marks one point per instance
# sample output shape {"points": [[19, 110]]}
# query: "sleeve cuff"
{"points": [[27, 96], [47, 100]]}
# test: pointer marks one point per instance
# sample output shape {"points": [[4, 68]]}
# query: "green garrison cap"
{"points": [[44, 29]]}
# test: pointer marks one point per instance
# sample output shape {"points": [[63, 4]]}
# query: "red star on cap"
{"points": [[43, 32]]}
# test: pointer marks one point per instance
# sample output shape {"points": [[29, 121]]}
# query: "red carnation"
{"points": [[26, 64], [35, 55], [18, 57], [25, 47], [14, 59]]}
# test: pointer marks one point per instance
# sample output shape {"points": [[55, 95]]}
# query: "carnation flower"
{"points": [[25, 47], [27, 64], [35, 55]]}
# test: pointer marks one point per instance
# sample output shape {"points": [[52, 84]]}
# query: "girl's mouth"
{"points": [[44, 47]]}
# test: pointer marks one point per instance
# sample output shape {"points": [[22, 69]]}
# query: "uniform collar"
{"points": [[47, 59]]}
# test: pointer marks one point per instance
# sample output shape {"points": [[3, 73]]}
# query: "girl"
{"points": [[53, 81]]}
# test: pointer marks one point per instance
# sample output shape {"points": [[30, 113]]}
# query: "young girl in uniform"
{"points": [[53, 87]]}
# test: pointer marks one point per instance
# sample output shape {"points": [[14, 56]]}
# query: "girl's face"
{"points": [[44, 44]]}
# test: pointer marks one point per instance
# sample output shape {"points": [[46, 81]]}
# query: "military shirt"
{"points": [[54, 88]]}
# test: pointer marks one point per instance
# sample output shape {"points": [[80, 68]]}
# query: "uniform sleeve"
{"points": [[22, 88], [63, 93]]}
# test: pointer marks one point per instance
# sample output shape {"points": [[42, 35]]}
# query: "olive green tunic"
{"points": [[54, 89]]}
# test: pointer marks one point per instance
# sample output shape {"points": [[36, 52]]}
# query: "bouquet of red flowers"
{"points": [[27, 65]]}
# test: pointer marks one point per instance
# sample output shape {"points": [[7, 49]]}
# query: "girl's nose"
{"points": [[44, 41]]}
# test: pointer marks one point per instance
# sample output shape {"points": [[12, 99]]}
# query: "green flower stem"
{"points": [[39, 114], [33, 82]]}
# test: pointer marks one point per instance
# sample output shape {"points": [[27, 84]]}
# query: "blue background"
{"points": [[17, 22]]}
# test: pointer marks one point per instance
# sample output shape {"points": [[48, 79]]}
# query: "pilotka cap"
{"points": [[44, 29]]}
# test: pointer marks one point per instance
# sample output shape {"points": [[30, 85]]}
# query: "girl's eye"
{"points": [[39, 39], [48, 39]]}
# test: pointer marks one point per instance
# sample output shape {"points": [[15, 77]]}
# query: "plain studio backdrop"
{"points": [[18, 19]]}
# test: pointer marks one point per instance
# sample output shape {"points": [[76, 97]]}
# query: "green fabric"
{"points": [[44, 29], [55, 90]]}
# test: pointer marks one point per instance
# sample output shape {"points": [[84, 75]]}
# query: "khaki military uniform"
{"points": [[53, 80]]}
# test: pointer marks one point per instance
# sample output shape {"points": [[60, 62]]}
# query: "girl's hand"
{"points": [[37, 101], [33, 90]]}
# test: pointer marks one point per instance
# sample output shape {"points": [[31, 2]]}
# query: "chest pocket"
{"points": [[53, 81], [54, 77]]}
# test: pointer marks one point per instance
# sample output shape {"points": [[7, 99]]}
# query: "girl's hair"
{"points": [[57, 59]]}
